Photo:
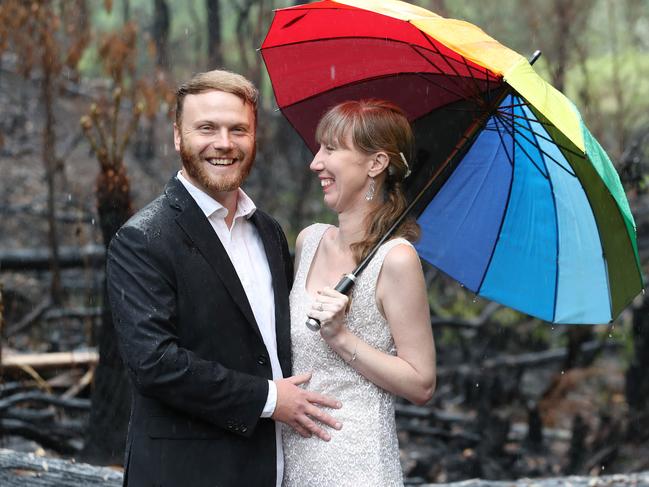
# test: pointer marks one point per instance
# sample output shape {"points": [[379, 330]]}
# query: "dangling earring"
{"points": [[369, 196]]}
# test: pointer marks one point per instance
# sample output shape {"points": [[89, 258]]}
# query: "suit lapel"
{"points": [[272, 245], [194, 223]]}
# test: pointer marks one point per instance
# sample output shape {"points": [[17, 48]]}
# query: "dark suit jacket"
{"points": [[193, 350]]}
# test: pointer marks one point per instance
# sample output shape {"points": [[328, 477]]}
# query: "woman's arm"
{"points": [[401, 296], [298, 248]]}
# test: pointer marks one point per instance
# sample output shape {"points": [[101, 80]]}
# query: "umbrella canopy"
{"points": [[516, 198]]}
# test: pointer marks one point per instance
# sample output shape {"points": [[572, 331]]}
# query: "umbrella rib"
{"points": [[513, 136], [514, 105], [549, 139], [452, 92], [502, 218], [510, 159], [558, 163], [514, 124], [556, 213], [446, 75], [445, 58], [475, 82], [523, 117], [576, 153]]}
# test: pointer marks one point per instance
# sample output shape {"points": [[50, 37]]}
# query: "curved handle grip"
{"points": [[344, 286]]}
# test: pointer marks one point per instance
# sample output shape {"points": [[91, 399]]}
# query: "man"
{"points": [[198, 283]]}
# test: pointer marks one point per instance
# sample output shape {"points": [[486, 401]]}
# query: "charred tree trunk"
{"points": [[49, 162], [637, 379], [126, 10], [161, 33], [111, 395], [214, 53]]}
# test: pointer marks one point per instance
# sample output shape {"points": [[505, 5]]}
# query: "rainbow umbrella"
{"points": [[516, 199]]}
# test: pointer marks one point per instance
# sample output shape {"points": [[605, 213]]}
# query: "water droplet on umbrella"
{"points": [[333, 71]]}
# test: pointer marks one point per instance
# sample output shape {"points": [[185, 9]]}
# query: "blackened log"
{"points": [[38, 434], [43, 398], [39, 259], [25, 469], [533, 359], [30, 318]]}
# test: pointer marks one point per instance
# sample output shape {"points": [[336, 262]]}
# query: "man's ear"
{"points": [[176, 137], [380, 162]]}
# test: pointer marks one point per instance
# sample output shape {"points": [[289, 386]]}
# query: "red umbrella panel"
{"points": [[325, 53]]}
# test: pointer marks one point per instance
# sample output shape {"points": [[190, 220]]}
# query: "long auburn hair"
{"points": [[375, 126]]}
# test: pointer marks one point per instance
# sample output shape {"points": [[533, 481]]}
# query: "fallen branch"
{"points": [[38, 434], [26, 469], [81, 385], [49, 360], [49, 399], [424, 412], [30, 318], [477, 322], [39, 259], [76, 313], [534, 359]]}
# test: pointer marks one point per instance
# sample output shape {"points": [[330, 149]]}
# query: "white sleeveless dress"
{"points": [[365, 452]]}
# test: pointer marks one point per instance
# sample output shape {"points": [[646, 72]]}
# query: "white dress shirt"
{"points": [[246, 252]]}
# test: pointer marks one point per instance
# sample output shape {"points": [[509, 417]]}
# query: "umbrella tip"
{"points": [[535, 56]]}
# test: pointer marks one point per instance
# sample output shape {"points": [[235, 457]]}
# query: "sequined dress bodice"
{"points": [[365, 452]]}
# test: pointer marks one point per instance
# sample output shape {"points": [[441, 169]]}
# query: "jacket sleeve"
{"points": [[142, 293], [286, 255]]}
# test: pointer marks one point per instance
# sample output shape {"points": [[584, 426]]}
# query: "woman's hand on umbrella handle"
{"points": [[344, 286], [330, 309]]}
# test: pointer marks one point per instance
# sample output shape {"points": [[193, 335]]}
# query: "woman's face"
{"points": [[343, 172]]}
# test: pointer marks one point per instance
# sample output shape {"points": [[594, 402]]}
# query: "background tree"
{"points": [[160, 32], [214, 48], [47, 36], [130, 97]]}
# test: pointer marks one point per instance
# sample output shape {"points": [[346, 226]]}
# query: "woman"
{"points": [[377, 343]]}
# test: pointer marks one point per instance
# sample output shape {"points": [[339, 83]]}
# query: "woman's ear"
{"points": [[380, 162]]}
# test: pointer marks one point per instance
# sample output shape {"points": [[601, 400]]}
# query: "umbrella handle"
{"points": [[344, 286]]}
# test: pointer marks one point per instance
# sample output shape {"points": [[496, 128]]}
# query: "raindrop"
{"points": [[333, 71], [563, 372], [475, 299], [186, 31], [610, 335], [92, 221], [477, 384], [69, 196]]}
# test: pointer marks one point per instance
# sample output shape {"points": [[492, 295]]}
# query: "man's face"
{"points": [[216, 141]]}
